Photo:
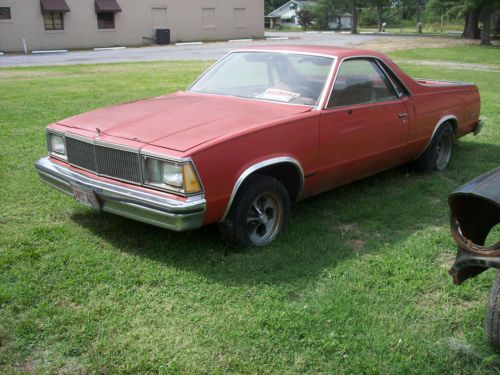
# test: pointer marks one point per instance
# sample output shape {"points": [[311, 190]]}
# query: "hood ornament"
{"points": [[98, 131]]}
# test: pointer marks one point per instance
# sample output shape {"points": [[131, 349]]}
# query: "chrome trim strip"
{"points": [[321, 102], [256, 167], [126, 201], [376, 58], [439, 123]]}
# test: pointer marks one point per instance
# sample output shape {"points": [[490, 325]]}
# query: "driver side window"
{"points": [[360, 81]]}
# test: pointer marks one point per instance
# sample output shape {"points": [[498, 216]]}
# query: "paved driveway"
{"points": [[208, 51]]}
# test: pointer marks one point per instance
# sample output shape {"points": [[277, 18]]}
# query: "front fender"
{"points": [[475, 210]]}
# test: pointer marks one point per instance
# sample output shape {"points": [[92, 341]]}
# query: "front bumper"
{"points": [[126, 201]]}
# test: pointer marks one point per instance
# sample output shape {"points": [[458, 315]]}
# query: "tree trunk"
{"points": [[485, 36], [354, 22], [472, 31], [379, 15], [419, 27], [466, 22]]}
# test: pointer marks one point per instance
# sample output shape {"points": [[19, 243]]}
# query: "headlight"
{"points": [[169, 175], [57, 145]]}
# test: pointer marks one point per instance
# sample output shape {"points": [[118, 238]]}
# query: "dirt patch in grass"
{"points": [[392, 43]]}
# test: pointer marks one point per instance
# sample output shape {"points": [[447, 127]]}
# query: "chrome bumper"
{"points": [[126, 201]]}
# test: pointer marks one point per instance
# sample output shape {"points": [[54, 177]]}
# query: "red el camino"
{"points": [[262, 128]]}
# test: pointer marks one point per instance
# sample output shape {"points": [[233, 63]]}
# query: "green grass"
{"points": [[358, 284], [467, 54]]}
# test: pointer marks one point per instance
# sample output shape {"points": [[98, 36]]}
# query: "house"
{"points": [[341, 21], [287, 14], [65, 24]]}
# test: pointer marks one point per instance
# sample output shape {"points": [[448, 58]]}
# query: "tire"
{"points": [[438, 155], [258, 214], [492, 323]]}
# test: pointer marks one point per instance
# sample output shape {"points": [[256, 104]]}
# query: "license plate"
{"points": [[86, 197]]}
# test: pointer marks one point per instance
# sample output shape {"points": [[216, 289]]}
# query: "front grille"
{"points": [[118, 163], [105, 161], [81, 154]]}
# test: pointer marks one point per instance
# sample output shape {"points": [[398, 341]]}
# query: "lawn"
{"points": [[358, 284]]}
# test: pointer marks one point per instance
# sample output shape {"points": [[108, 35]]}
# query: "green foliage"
{"points": [[304, 18], [357, 285], [270, 5]]}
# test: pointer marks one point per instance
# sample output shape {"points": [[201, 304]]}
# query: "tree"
{"points": [[270, 5], [487, 9], [354, 15], [380, 10], [304, 18]]}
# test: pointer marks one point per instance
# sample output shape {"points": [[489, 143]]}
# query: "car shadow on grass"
{"points": [[348, 222]]}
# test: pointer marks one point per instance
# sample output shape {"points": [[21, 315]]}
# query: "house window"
{"points": [[106, 20], [5, 13], [53, 21], [240, 18], [208, 18]]}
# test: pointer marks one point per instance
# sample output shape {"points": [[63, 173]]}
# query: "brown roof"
{"points": [[49, 6], [107, 6]]}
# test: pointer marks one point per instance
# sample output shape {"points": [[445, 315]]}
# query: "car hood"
{"points": [[182, 120]]}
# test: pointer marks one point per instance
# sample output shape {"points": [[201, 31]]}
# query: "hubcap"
{"points": [[264, 218], [443, 151]]}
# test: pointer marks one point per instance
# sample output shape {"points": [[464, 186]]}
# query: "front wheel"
{"points": [[258, 214], [492, 323]]}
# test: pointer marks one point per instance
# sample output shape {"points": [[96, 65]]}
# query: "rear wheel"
{"points": [[438, 155], [492, 323], [259, 213]]}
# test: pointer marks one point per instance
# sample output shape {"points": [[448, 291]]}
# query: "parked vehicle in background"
{"points": [[261, 129], [475, 211]]}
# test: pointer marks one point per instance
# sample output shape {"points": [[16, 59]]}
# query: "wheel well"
{"points": [[454, 124], [286, 173]]}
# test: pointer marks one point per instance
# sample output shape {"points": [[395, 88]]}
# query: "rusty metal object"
{"points": [[475, 210]]}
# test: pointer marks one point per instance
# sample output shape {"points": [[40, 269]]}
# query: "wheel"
{"points": [[258, 214], [437, 156], [492, 323]]}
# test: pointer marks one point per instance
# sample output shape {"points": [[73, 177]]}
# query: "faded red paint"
{"points": [[226, 135]]}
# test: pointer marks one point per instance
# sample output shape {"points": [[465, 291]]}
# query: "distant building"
{"points": [[287, 15], [64, 24], [342, 21]]}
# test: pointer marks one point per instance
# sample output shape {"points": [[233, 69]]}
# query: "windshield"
{"points": [[273, 76]]}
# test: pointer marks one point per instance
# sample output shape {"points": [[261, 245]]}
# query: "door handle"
{"points": [[403, 115]]}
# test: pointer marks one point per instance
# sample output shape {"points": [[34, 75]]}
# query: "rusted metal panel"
{"points": [[475, 210]]}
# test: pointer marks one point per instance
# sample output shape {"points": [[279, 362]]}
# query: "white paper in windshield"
{"points": [[278, 95]]}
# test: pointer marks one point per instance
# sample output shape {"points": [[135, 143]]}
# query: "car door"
{"points": [[364, 127]]}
